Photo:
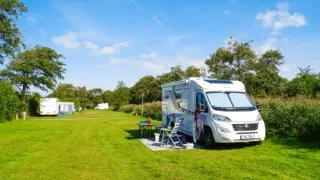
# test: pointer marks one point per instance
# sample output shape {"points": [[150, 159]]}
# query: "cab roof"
{"points": [[207, 84]]}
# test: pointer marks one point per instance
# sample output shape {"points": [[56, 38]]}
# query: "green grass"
{"points": [[103, 145]]}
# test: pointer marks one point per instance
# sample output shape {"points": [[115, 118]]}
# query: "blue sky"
{"points": [[104, 41]]}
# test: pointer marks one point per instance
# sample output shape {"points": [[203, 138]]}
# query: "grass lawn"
{"points": [[104, 145]]}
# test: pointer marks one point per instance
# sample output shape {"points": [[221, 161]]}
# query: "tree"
{"points": [[192, 71], [107, 97], [39, 67], [121, 95], [176, 73], [82, 94], [9, 101], [305, 83], [10, 37], [265, 80], [231, 62], [240, 62], [65, 92], [148, 87], [95, 96]]}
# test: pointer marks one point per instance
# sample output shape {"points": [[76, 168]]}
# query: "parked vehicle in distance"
{"points": [[67, 108], [228, 113], [102, 106], [49, 106]]}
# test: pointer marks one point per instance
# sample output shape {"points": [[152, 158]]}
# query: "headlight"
{"points": [[221, 118], [259, 118], [224, 130]]}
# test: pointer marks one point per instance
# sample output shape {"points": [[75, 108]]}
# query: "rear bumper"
{"points": [[225, 133]]}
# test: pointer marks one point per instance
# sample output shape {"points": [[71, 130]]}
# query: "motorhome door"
{"points": [[201, 100]]}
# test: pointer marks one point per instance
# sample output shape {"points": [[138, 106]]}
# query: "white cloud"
{"points": [[118, 61], [149, 56], [69, 40], [226, 12], [90, 45], [121, 45], [281, 18], [155, 18], [107, 50], [269, 44], [31, 19]]}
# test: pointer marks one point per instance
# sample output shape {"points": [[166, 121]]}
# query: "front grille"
{"points": [[245, 127]]}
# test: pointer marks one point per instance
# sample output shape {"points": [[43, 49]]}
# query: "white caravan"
{"points": [[228, 113], [49, 106], [102, 106]]}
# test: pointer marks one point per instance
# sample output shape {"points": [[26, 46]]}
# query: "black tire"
{"points": [[208, 138]]}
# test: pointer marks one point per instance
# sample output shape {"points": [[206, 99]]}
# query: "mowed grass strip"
{"points": [[82, 147]]}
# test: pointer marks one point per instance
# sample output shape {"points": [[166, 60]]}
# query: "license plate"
{"points": [[248, 136]]}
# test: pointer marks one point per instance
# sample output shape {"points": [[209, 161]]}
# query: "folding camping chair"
{"points": [[171, 134]]}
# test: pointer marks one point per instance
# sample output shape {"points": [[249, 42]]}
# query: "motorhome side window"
{"points": [[201, 99]]}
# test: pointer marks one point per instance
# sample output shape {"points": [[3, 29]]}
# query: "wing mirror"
{"points": [[258, 106], [201, 107]]}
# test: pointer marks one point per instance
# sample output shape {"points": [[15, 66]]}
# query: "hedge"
{"points": [[9, 101]]}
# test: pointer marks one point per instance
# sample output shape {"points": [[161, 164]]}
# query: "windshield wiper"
{"points": [[233, 108], [227, 108], [244, 108]]}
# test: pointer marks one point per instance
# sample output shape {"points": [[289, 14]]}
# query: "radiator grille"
{"points": [[245, 127]]}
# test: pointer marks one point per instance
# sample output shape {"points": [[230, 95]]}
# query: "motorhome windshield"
{"points": [[230, 101]]}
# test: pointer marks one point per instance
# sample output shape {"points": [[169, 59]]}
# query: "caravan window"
{"points": [[201, 99]]}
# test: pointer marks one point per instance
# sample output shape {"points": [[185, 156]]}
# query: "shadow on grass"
{"points": [[134, 134]]}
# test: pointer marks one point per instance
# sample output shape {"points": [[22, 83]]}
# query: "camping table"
{"points": [[149, 126]]}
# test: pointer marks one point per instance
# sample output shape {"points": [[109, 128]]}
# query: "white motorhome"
{"points": [[102, 106], [49, 106], [229, 115]]}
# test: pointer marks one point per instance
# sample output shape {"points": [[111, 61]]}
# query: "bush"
{"points": [[293, 120], [152, 110], [9, 101]]}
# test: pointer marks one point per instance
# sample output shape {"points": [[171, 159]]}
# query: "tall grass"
{"points": [[296, 118]]}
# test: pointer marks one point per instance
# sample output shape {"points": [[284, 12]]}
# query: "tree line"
{"points": [[148, 88]]}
